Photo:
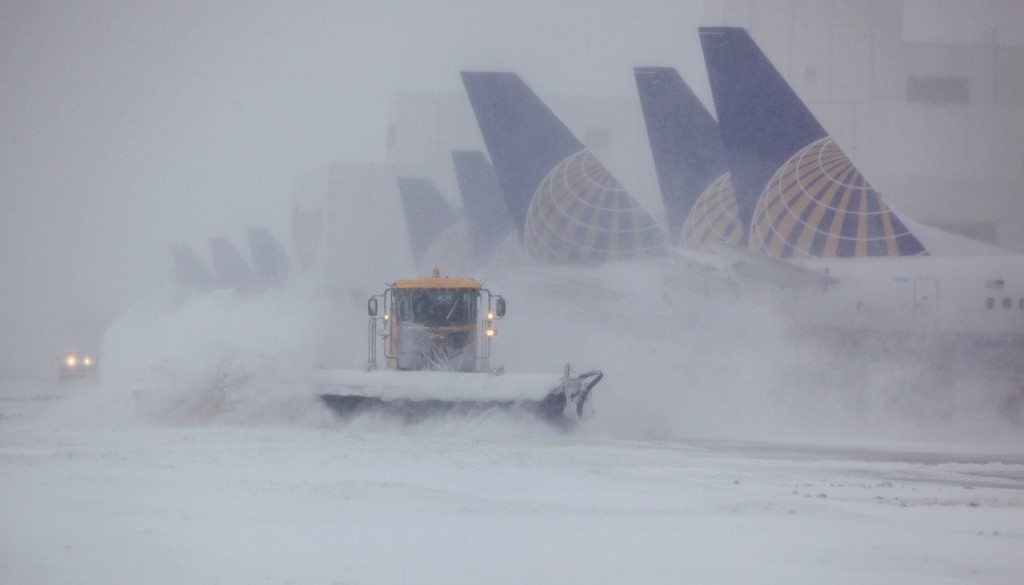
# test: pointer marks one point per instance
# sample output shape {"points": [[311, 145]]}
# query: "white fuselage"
{"points": [[980, 296]]}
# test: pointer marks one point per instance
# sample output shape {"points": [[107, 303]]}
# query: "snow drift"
{"points": [[681, 358]]}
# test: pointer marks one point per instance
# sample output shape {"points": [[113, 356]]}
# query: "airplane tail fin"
{"points": [[486, 213], [230, 268], [427, 213], [684, 139], [269, 258], [797, 191], [567, 206], [524, 138], [189, 271]]}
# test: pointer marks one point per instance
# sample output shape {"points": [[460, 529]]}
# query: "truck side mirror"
{"points": [[499, 307], [371, 306]]}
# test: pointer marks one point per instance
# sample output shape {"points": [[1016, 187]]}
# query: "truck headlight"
{"points": [[71, 361]]}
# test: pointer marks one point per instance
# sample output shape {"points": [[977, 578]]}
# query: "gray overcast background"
{"points": [[125, 126]]}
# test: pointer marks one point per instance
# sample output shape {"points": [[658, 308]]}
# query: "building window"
{"points": [[938, 90]]}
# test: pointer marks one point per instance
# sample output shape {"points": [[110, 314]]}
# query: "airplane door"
{"points": [[926, 298]]}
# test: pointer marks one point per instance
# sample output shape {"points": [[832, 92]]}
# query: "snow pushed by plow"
{"points": [[201, 455], [229, 359], [678, 362], [215, 358]]}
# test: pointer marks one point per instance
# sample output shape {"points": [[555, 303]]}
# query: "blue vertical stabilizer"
{"points": [[270, 261], [427, 213], [230, 268], [797, 192], [684, 139], [486, 212], [761, 119], [524, 138], [567, 206], [189, 271]]}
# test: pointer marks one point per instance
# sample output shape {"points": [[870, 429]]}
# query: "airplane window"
{"points": [[1007, 303], [990, 302]]}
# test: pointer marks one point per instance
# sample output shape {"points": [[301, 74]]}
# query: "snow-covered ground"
{"points": [[721, 452], [469, 502]]}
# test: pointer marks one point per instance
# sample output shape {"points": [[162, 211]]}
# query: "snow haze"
{"points": [[128, 126], [131, 126], [723, 454], [726, 447]]}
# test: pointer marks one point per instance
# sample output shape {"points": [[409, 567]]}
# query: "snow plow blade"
{"points": [[418, 395]]}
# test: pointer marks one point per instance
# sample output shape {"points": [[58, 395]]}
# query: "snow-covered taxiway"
{"points": [[721, 452], [489, 501]]}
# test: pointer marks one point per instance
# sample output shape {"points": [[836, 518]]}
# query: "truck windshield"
{"points": [[437, 307]]}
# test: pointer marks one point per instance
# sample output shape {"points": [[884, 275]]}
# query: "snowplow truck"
{"points": [[435, 338]]}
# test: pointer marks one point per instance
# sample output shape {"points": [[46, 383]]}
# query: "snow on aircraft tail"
{"points": [[699, 198], [567, 206], [486, 212], [798, 192]]}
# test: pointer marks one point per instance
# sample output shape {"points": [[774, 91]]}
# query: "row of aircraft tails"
{"points": [[269, 268], [758, 193]]}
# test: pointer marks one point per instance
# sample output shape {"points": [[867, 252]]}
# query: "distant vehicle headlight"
{"points": [[71, 361], [87, 361]]}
